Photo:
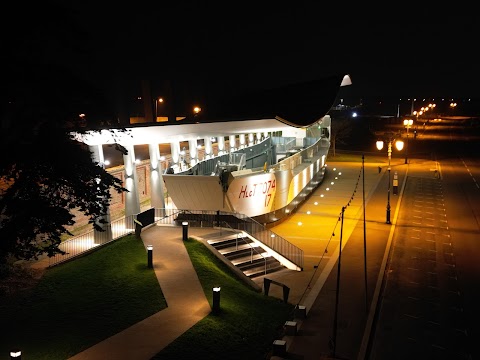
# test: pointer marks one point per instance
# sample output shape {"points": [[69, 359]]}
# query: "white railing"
{"points": [[92, 239]]}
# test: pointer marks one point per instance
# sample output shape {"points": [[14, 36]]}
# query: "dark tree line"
{"points": [[44, 172]]}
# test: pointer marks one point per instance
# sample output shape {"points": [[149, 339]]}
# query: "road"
{"points": [[428, 307], [429, 303]]}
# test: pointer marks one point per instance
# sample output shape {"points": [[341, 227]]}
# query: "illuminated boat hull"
{"points": [[265, 193]]}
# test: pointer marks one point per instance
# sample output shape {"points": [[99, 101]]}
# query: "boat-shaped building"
{"points": [[260, 161]]}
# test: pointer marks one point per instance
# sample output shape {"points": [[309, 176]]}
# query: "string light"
{"points": [[333, 232]]}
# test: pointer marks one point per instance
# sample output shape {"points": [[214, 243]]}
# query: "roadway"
{"points": [[427, 306], [429, 301]]}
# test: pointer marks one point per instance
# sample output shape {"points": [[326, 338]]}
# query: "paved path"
{"points": [[341, 310], [315, 287], [184, 295]]}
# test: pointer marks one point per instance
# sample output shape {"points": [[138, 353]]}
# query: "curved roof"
{"points": [[298, 105], [280, 109], [159, 133]]}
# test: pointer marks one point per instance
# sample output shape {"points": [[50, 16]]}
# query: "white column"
{"points": [[97, 156], [250, 139], [132, 199], [232, 142], [192, 148], [156, 178], [242, 141], [221, 144], [208, 147], [175, 152]]}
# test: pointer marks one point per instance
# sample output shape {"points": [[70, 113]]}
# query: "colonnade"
{"points": [[132, 199]]}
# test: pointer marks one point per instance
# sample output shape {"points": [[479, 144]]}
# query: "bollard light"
{"points": [[16, 354], [185, 230], [216, 299], [150, 256]]}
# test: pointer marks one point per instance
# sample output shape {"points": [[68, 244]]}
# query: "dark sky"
{"points": [[391, 50]]}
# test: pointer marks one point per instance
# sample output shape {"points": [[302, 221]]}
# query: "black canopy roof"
{"points": [[299, 105]]}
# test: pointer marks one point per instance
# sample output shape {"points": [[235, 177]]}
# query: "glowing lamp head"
{"points": [[15, 354], [399, 145]]}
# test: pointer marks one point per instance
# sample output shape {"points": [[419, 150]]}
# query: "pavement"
{"points": [[338, 312]]}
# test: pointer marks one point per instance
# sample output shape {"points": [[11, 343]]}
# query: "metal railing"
{"points": [[92, 239], [203, 218], [253, 249]]}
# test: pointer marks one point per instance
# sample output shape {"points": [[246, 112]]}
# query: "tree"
{"points": [[46, 175], [44, 172], [46, 179], [340, 131]]}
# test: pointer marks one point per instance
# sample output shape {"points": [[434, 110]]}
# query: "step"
{"points": [[260, 270], [247, 265], [248, 258], [222, 234], [229, 242], [241, 251]]}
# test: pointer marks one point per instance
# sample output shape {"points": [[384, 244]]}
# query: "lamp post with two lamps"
{"points": [[399, 146], [407, 123]]}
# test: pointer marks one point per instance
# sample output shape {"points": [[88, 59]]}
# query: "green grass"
{"points": [[77, 304], [245, 326], [82, 302]]}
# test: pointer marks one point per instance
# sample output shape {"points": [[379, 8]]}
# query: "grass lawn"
{"points": [[77, 304], [246, 324]]}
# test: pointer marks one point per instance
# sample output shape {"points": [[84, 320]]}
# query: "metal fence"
{"points": [[91, 240]]}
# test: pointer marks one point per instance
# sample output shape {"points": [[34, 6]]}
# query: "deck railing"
{"points": [[91, 240]]}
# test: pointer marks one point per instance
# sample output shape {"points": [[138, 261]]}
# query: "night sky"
{"points": [[229, 47]]}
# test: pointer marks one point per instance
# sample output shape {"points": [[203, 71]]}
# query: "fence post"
{"points": [[266, 285]]}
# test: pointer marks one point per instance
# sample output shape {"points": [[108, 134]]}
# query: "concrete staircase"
{"points": [[244, 253]]}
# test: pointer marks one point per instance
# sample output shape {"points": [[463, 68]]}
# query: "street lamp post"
{"points": [[399, 146], [407, 123], [159, 100]]}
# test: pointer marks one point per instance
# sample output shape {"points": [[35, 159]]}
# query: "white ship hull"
{"points": [[267, 194]]}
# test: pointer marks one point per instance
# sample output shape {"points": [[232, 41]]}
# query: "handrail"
{"points": [[251, 247], [91, 239], [254, 228]]}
